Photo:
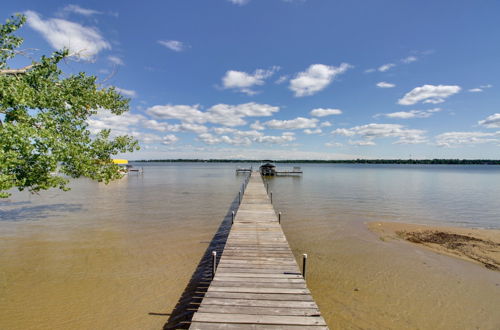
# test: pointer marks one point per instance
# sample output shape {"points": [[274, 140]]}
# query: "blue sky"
{"points": [[304, 79]]}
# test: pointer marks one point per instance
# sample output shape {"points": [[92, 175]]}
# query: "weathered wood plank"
{"points": [[227, 326], [270, 310], [248, 279], [259, 303], [249, 289], [257, 275], [268, 284], [258, 296], [257, 319], [257, 284], [257, 270]]}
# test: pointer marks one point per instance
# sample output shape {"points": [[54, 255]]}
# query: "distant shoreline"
{"points": [[346, 161]]}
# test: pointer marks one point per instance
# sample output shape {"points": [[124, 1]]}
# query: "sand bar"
{"points": [[481, 246]]}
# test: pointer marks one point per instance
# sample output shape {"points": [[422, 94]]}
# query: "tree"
{"points": [[44, 135]]}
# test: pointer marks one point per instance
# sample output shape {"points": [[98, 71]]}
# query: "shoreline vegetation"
{"points": [[342, 161], [481, 246]]}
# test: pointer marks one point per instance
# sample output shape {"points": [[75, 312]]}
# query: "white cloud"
{"points": [[209, 138], [411, 114], [429, 94], [175, 45], [333, 144], [127, 124], [251, 134], [169, 139], [244, 82], [286, 137], [257, 126], [145, 137], [362, 143], [223, 130], [409, 59], [126, 92], [185, 113], [155, 125], [116, 60], [281, 79], [480, 88], [386, 67], [297, 123], [384, 84], [223, 114], [316, 78], [325, 124], [164, 127], [246, 138], [492, 121], [232, 115], [370, 70], [372, 131], [239, 2], [79, 10], [321, 112], [230, 152], [244, 2], [453, 139], [131, 124], [187, 127], [315, 131], [118, 124], [60, 33]]}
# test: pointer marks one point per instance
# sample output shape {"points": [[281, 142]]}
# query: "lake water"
{"points": [[120, 255]]}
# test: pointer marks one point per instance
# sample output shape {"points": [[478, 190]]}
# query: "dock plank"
{"points": [[258, 319], [258, 284]]}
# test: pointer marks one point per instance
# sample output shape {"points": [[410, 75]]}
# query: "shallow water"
{"points": [[120, 255]]}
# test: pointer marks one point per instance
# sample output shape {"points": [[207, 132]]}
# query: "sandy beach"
{"points": [[481, 246], [362, 279]]}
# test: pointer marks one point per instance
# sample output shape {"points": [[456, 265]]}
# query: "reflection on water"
{"points": [[120, 255], [109, 256], [455, 195], [23, 211], [361, 282]]}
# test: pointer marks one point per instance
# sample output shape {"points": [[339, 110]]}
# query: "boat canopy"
{"points": [[120, 161]]}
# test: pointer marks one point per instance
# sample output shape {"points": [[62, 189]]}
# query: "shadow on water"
{"points": [[200, 280], [36, 212]]}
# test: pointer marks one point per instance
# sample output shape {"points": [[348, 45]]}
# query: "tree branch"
{"points": [[16, 71]]}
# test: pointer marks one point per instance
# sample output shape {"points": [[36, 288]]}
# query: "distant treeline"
{"points": [[346, 161]]}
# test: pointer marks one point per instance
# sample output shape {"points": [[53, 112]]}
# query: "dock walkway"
{"points": [[257, 284]]}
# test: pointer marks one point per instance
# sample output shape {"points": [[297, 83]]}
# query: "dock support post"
{"points": [[304, 265], [271, 197], [239, 197], [267, 187], [214, 263], [279, 217], [232, 217]]}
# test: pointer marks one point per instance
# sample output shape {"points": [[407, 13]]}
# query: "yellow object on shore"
{"points": [[120, 161]]}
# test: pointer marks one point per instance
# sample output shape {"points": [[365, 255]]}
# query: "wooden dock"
{"points": [[257, 284]]}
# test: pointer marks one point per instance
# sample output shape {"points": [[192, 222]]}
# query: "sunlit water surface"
{"points": [[119, 255]]}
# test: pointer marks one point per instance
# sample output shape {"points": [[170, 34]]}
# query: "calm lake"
{"points": [[119, 255]]}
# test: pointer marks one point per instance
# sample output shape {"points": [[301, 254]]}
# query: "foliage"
{"points": [[44, 135]]}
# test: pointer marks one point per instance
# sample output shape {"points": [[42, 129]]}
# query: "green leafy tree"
{"points": [[44, 135]]}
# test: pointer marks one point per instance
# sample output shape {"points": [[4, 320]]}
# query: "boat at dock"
{"points": [[267, 168], [126, 168]]}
